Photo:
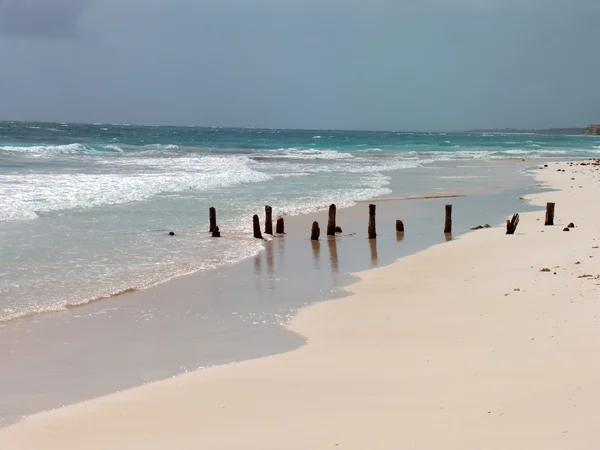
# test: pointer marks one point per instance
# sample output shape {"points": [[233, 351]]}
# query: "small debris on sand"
{"points": [[566, 229], [545, 269], [171, 233]]}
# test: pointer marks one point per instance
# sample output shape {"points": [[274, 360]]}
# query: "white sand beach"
{"points": [[467, 345]]}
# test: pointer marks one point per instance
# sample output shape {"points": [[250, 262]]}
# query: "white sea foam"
{"points": [[113, 147], [306, 154], [372, 150], [162, 146], [46, 150], [27, 196]]}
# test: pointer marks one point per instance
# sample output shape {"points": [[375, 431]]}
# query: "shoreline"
{"points": [[202, 324], [473, 350]]}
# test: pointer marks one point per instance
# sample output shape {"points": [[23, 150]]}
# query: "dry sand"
{"points": [[467, 345]]}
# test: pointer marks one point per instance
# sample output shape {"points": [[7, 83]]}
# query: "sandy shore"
{"points": [[467, 345]]}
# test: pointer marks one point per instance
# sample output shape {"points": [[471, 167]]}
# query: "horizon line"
{"points": [[230, 127]]}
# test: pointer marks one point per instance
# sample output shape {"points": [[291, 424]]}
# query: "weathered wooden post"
{"points": [[549, 213], [256, 226], [268, 220], [216, 232], [315, 232], [331, 221], [280, 227], [399, 226], [511, 225], [212, 213], [372, 230], [448, 223]]}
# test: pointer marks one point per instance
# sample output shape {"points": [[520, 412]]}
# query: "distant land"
{"points": [[570, 131], [592, 130]]}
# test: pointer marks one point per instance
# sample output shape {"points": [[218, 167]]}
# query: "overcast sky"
{"points": [[376, 64]]}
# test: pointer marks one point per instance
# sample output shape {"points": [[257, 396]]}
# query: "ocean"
{"points": [[85, 210]]}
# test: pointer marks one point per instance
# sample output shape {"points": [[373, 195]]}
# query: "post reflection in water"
{"points": [[333, 255], [280, 248], [399, 236], [316, 250], [373, 247], [269, 250], [258, 272], [270, 256], [258, 264]]}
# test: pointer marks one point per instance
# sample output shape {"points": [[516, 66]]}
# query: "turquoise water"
{"points": [[85, 209]]}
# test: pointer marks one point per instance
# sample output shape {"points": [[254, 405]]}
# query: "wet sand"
{"points": [[236, 312]]}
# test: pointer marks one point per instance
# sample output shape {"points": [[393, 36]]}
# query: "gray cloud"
{"points": [[393, 64], [41, 18]]}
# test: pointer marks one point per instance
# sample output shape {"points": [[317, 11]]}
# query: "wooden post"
{"points": [[315, 232], [448, 223], [216, 232], [549, 213], [280, 227], [268, 220], [399, 226], [372, 230], [331, 222], [511, 225], [256, 226], [212, 212]]}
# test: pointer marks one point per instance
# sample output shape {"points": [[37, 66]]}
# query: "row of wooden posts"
{"points": [[332, 228]]}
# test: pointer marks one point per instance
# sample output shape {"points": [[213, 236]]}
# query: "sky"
{"points": [[343, 64]]}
